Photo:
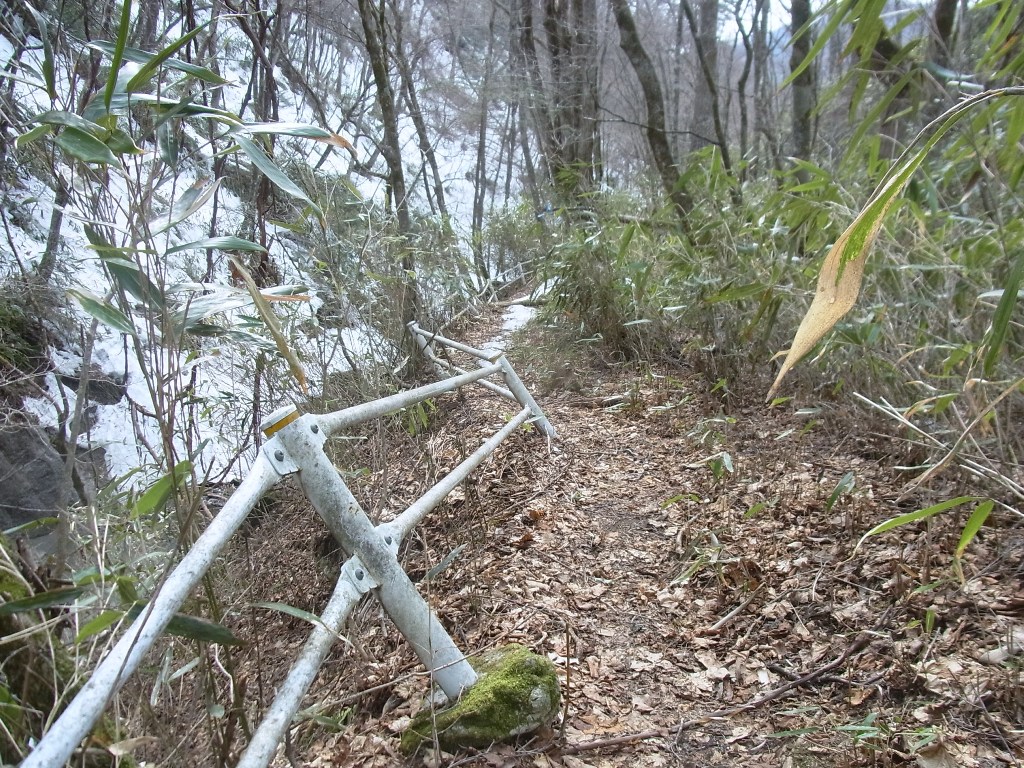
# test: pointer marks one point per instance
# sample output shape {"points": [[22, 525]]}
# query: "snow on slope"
{"points": [[220, 374]]}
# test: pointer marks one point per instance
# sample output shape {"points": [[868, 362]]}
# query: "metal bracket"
{"points": [[360, 578], [278, 457], [391, 536]]}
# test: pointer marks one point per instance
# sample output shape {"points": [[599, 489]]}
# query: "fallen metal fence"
{"points": [[295, 446]]}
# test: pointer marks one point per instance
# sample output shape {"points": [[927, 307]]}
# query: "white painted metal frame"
{"points": [[516, 390], [296, 446]]}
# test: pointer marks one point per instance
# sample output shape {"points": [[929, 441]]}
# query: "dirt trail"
{"points": [[686, 555], [683, 556]]}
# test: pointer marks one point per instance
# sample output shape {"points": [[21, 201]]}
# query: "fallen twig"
{"points": [[734, 612]]}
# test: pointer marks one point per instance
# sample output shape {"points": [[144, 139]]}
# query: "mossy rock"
{"points": [[517, 693]]}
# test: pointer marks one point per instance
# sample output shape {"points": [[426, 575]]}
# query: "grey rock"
{"points": [[103, 389], [31, 473]]}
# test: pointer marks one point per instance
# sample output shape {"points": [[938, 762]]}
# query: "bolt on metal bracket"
{"points": [[391, 536], [356, 573], [279, 458]]}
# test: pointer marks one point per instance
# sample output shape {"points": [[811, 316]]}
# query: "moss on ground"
{"points": [[517, 693]]}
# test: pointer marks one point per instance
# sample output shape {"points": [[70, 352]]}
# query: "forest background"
{"points": [[210, 209]]}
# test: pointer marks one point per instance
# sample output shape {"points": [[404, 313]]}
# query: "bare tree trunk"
{"points": [[416, 113], [741, 84], [585, 73], [144, 33], [531, 173], [803, 84], [707, 95], [524, 48], [391, 148], [48, 262], [480, 171], [943, 21], [705, 38], [563, 108], [657, 139], [675, 110]]}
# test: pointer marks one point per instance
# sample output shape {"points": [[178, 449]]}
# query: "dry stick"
{"points": [[568, 684], [857, 645], [735, 611]]}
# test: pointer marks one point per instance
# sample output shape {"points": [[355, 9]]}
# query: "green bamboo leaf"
{"points": [[98, 241], [193, 628], [183, 107], [98, 624], [184, 670], [71, 120], [271, 171], [31, 525], [29, 136], [151, 66], [121, 102], [844, 486], [19, 78], [735, 293], [116, 57], [139, 56], [913, 517], [974, 523], [237, 336], [190, 201], [120, 143], [224, 243], [167, 142], [62, 596], [298, 613], [194, 311], [839, 15], [445, 562], [127, 589], [627, 237], [1001, 319], [85, 147], [102, 311], [301, 130], [159, 493], [128, 276], [49, 73], [292, 611]]}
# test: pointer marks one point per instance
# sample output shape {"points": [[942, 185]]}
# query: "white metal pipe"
{"points": [[332, 423], [278, 718], [495, 388], [76, 721], [424, 345], [524, 397], [303, 440], [443, 367], [405, 522], [286, 703], [478, 353]]}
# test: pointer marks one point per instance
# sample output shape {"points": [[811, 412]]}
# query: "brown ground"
{"points": [[701, 614]]}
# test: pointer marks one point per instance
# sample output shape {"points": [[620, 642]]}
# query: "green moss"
{"points": [[517, 693]]}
